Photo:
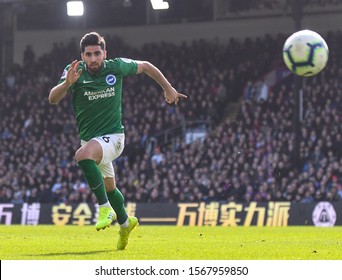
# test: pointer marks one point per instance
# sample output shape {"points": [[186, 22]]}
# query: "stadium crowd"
{"points": [[250, 158]]}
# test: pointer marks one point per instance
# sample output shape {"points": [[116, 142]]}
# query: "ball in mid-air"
{"points": [[305, 53]]}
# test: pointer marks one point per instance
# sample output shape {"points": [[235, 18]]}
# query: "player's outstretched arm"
{"points": [[170, 94], [58, 92]]}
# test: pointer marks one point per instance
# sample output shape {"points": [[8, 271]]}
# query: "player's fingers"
{"points": [[79, 72], [182, 95], [77, 64], [72, 65]]}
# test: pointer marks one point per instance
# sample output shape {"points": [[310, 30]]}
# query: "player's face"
{"points": [[93, 56]]}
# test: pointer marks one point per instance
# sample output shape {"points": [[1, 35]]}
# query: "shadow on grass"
{"points": [[68, 253]]}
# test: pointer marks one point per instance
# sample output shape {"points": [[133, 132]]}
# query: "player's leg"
{"points": [[127, 224], [113, 148], [115, 198], [87, 157]]}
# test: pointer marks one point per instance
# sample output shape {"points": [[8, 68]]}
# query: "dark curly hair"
{"points": [[92, 39]]}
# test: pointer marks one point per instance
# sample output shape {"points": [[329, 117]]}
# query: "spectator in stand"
{"points": [[258, 144]]}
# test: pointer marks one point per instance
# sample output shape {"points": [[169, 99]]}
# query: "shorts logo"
{"points": [[118, 146], [324, 215], [110, 79]]}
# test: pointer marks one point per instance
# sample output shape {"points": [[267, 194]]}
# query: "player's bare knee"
{"points": [[82, 154]]}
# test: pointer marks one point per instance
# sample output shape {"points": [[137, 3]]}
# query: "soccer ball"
{"points": [[305, 53]]}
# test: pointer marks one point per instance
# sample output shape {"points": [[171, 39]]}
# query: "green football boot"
{"points": [[106, 217], [124, 233]]}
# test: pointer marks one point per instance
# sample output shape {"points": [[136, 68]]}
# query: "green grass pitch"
{"points": [[171, 243]]}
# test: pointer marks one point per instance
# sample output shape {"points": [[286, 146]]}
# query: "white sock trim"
{"points": [[125, 224], [105, 205]]}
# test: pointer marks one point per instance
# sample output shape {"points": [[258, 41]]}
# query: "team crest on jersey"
{"points": [[110, 79]]}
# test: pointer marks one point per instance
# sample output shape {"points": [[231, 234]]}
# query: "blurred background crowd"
{"points": [[247, 158], [248, 152]]}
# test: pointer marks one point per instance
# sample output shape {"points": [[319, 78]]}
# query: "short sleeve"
{"points": [[127, 66]]}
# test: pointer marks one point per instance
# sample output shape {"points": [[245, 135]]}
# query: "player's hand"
{"points": [[73, 74], [172, 96]]}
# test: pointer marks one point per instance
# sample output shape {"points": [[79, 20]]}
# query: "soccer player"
{"points": [[95, 84]]}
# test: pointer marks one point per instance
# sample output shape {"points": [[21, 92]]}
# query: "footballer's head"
{"points": [[93, 51]]}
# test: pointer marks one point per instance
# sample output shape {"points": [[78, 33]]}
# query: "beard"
{"points": [[94, 67]]}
